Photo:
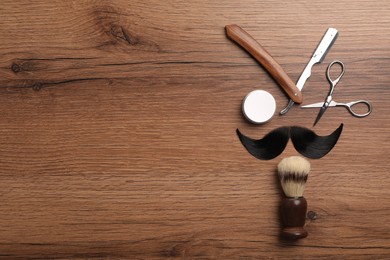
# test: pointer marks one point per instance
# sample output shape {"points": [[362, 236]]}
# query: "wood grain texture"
{"points": [[118, 119], [254, 48]]}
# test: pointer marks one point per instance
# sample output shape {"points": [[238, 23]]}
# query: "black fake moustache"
{"points": [[305, 141]]}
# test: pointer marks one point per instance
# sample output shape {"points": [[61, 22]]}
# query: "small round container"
{"points": [[259, 106]]}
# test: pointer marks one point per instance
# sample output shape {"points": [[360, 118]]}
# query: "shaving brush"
{"points": [[293, 172]]}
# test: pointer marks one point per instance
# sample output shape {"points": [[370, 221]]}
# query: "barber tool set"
{"points": [[259, 107]]}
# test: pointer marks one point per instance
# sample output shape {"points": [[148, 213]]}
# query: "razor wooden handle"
{"points": [[242, 38]]}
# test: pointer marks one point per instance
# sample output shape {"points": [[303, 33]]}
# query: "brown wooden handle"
{"points": [[293, 215], [242, 38]]}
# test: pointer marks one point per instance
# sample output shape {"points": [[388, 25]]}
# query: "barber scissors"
{"points": [[329, 100]]}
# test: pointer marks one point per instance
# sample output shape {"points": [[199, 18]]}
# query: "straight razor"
{"points": [[318, 56]]}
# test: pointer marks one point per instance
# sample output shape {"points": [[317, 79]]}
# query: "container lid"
{"points": [[259, 106]]}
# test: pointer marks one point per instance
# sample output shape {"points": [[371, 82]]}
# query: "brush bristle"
{"points": [[293, 172]]}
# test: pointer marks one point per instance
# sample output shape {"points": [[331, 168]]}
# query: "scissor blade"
{"points": [[319, 104], [322, 111]]}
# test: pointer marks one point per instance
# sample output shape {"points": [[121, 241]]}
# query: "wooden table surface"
{"points": [[118, 120]]}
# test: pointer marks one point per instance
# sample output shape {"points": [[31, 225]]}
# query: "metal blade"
{"points": [[319, 54], [305, 74], [325, 45], [320, 104], [322, 111]]}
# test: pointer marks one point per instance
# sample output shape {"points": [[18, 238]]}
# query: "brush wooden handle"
{"points": [[242, 38], [293, 213]]}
